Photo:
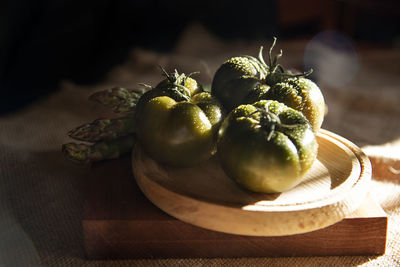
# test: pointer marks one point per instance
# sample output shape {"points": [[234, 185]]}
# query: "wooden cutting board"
{"points": [[120, 222]]}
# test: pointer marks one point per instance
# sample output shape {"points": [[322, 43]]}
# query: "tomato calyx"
{"points": [[174, 82], [277, 73], [270, 121], [259, 64], [178, 86]]}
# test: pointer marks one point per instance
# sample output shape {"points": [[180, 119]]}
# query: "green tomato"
{"points": [[179, 133], [182, 79], [301, 94], [266, 147], [245, 80], [179, 87], [236, 78]]}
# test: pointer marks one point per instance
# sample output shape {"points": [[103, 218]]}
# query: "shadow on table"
{"points": [[42, 208]]}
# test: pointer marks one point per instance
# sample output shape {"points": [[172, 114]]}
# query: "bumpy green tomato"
{"points": [[179, 87], [245, 80], [180, 133], [236, 78], [180, 79], [301, 94], [266, 147]]}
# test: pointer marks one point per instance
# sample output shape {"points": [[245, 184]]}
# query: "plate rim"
{"points": [[343, 202]]}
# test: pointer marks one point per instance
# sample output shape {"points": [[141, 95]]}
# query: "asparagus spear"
{"points": [[110, 137], [118, 98], [85, 153], [103, 129]]}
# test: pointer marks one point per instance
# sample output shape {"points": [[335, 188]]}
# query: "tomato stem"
{"points": [[277, 72], [190, 74], [173, 79], [147, 86], [261, 59], [270, 121]]}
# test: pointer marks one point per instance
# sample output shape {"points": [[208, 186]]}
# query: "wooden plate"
{"points": [[204, 196]]}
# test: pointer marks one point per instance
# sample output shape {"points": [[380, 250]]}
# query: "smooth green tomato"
{"points": [[176, 127]]}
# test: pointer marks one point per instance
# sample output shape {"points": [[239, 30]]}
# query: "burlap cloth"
{"points": [[41, 194]]}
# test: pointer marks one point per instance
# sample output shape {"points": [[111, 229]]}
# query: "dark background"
{"points": [[45, 41]]}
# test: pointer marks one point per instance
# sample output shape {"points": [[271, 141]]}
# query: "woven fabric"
{"points": [[41, 194]]}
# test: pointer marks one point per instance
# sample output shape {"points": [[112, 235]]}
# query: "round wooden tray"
{"points": [[204, 196]]}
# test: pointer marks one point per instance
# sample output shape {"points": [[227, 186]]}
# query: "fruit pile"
{"points": [[259, 119]]}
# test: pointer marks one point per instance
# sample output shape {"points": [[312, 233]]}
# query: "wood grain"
{"points": [[119, 222], [204, 196], [387, 169]]}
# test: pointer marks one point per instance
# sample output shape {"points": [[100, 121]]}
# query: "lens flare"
{"points": [[333, 57]]}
